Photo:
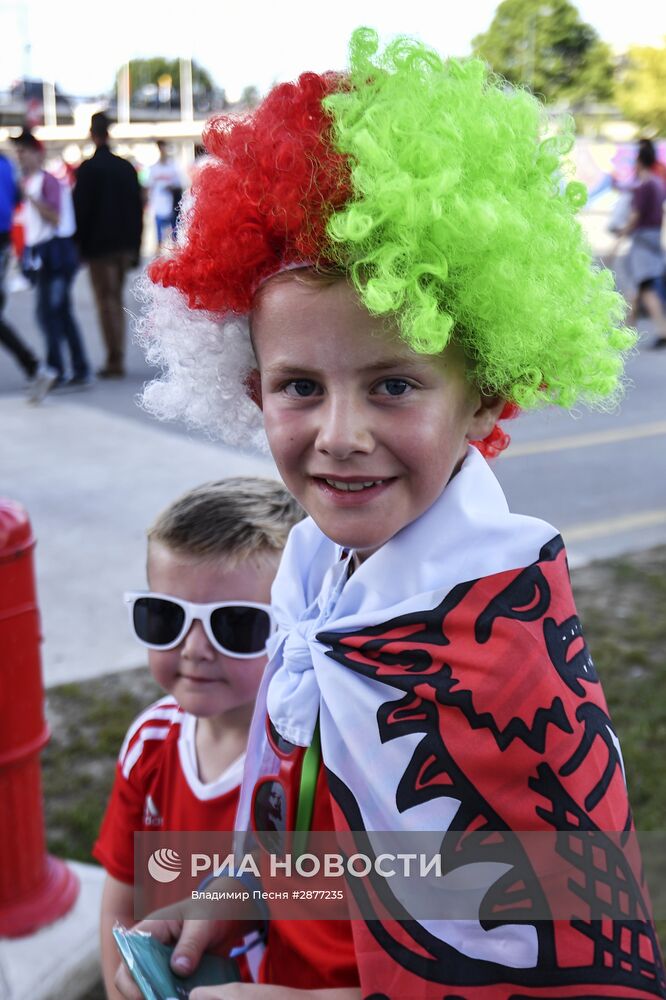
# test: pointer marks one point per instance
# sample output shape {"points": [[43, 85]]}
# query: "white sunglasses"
{"points": [[237, 628]]}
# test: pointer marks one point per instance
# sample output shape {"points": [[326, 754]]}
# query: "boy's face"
{"points": [[203, 681], [346, 402]]}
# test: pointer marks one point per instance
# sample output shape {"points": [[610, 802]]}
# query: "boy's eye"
{"points": [[393, 387], [301, 388]]}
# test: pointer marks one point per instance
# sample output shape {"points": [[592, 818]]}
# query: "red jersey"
{"points": [[157, 787], [311, 954]]}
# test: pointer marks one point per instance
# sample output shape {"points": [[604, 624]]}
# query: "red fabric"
{"points": [[156, 772], [499, 685], [311, 954], [18, 232]]}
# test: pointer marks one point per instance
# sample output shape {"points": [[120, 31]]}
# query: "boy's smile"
{"points": [[365, 432]]}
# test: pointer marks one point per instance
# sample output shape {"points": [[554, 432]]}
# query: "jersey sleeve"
{"points": [[114, 847]]}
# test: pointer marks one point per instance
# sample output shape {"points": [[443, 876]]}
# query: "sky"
{"points": [[80, 43]]}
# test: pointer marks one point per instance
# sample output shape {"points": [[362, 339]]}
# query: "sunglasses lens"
{"points": [[157, 621], [241, 630]]}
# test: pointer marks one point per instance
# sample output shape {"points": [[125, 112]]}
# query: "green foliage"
{"points": [[250, 97], [545, 45], [148, 71], [641, 89]]}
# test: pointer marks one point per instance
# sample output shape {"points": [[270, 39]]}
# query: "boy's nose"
{"points": [[196, 645], [344, 429]]}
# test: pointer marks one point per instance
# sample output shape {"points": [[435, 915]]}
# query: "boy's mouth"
{"points": [[201, 680], [352, 488]]}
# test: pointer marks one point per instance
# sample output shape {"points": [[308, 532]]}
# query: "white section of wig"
{"points": [[205, 360]]}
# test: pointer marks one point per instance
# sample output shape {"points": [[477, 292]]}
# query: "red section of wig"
{"points": [[263, 198]]}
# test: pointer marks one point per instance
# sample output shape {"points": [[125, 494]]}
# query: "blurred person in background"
{"points": [[658, 167], [108, 204], [646, 257], [51, 261], [40, 377], [165, 188]]}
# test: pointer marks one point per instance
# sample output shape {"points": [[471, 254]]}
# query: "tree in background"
{"points": [[146, 74], [549, 48], [250, 97], [641, 89]]}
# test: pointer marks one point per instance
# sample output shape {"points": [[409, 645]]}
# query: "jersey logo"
{"points": [[151, 814]]}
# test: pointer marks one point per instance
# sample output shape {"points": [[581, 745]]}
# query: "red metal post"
{"points": [[35, 888]]}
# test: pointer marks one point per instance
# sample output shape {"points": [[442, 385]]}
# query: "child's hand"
{"points": [[191, 939], [125, 985]]}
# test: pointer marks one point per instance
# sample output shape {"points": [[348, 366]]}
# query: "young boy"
{"points": [[382, 261], [212, 557]]}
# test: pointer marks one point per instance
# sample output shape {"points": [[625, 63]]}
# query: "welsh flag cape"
{"points": [[455, 693]]}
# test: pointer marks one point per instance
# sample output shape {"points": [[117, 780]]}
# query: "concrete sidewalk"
{"points": [[92, 482], [60, 961]]}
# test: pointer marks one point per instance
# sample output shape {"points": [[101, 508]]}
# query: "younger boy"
{"points": [[206, 620], [384, 259]]}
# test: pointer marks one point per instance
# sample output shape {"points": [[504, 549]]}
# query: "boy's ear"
{"points": [[253, 387], [485, 417]]}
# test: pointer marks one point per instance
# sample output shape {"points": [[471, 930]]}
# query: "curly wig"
{"points": [[438, 190]]}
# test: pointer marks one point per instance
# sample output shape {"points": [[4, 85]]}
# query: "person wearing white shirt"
{"points": [[165, 186], [52, 262]]}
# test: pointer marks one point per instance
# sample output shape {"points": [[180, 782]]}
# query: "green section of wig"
{"points": [[462, 223]]}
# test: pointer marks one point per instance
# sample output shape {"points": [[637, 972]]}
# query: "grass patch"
{"points": [[88, 724], [621, 604]]}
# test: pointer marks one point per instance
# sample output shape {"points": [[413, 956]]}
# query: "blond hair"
{"points": [[236, 519]]}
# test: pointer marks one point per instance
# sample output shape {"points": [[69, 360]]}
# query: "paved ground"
{"points": [[93, 470]]}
